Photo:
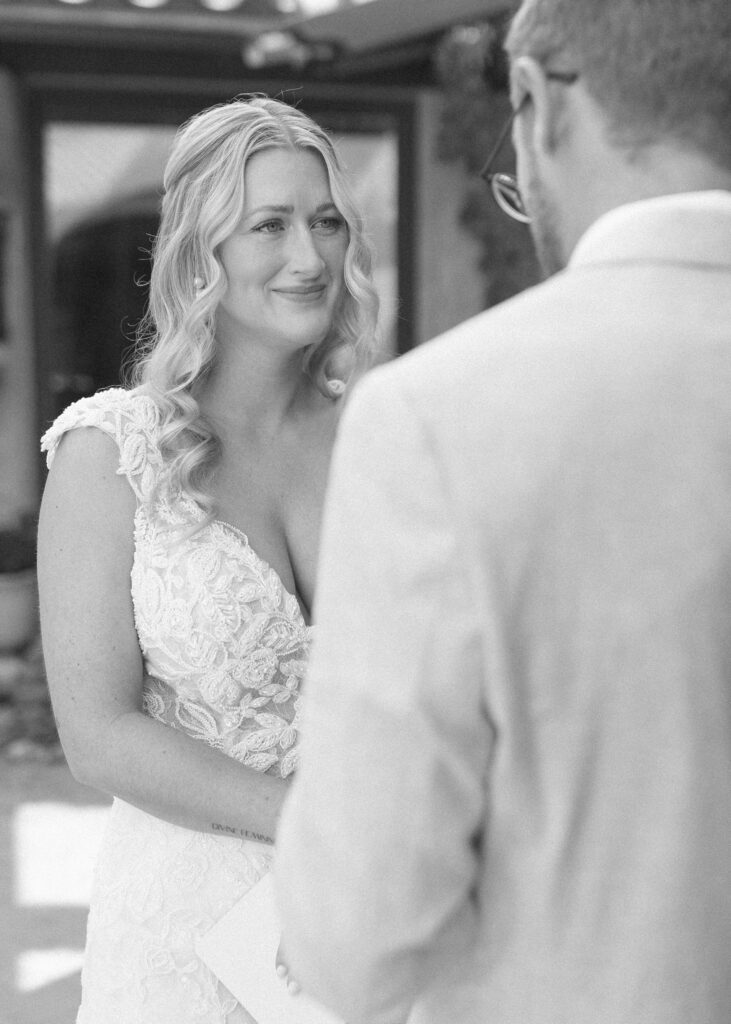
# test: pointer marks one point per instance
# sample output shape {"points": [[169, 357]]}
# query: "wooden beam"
{"points": [[36, 21]]}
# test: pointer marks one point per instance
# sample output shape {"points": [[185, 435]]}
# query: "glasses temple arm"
{"points": [[507, 128]]}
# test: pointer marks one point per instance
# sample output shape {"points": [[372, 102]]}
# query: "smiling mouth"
{"points": [[306, 292]]}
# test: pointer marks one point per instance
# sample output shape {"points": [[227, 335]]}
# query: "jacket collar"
{"points": [[687, 228]]}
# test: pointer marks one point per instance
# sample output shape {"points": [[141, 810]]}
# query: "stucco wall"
{"points": [[18, 443]]}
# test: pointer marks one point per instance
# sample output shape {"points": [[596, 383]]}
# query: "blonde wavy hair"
{"points": [[202, 206]]}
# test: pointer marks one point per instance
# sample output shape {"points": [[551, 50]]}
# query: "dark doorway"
{"points": [[100, 274]]}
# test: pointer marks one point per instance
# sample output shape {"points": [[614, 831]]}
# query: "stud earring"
{"points": [[199, 284]]}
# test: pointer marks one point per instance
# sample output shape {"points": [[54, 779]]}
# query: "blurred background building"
{"points": [[91, 92]]}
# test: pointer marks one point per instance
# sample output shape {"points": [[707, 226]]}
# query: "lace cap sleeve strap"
{"points": [[130, 419]]}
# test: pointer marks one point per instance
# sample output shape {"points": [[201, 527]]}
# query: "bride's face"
{"points": [[284, 263]]}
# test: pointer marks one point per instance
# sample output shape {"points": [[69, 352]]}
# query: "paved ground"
{"points": [[49, 832]]}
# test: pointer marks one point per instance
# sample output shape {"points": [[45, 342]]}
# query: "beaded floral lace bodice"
{"points": [[224, 647], [224, 644]]}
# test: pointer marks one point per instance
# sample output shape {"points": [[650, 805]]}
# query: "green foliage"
{"points": [[470, 66], [472, 69]]}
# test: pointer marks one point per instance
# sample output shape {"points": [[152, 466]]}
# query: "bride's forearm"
{"points": [[181, 780]]}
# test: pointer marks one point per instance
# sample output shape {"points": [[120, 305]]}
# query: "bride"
{"points": [[202, 485]]}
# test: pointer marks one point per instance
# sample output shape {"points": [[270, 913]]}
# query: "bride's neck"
{"points": [[254, 393]]}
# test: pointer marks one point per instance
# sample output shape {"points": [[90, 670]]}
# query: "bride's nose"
{"points": [[303, 254]]}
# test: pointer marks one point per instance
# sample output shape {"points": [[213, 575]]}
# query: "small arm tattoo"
{"points": [[241, 833]]}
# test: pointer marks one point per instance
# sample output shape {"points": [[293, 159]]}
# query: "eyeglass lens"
{"points": [[507, 196]]}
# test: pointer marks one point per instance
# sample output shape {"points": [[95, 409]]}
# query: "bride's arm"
{"points": [[94, 664]]}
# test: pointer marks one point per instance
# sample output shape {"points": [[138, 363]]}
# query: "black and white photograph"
{"points": [[365, 511]]}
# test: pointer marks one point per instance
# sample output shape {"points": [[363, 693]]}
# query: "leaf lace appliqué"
{"points": [[224, 647]]}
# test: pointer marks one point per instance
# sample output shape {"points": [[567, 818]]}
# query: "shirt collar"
{"points": [[689, 227]]}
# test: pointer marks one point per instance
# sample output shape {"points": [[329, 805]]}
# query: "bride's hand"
{"points": [[293, 986]]}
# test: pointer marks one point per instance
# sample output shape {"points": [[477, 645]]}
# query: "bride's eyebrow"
{"points": [[270, 209], [329, 205]]}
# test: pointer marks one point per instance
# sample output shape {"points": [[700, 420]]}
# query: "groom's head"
{"points": [[648, 113]]}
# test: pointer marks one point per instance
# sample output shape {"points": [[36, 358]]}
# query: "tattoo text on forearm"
{"points": [[241, 833]]}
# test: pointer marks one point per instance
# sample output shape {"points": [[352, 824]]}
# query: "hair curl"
{"points": [[659, 68], [202, 205]]}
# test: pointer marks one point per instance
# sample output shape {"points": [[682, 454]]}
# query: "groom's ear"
{"points": [[540, 122]]}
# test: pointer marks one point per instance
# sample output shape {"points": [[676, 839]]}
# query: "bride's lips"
{"points": [[302, 293]]}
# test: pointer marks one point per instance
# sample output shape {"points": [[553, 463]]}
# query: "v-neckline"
{"points": [[244, 540]]}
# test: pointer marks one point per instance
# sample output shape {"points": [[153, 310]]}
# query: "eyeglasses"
{"points": [[505, 186]]}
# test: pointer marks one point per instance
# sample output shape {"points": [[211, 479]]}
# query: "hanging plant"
{"points": [[472, 69]]}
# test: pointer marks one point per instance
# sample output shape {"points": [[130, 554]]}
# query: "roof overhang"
{"points": [[350, 28], [382, 23]]}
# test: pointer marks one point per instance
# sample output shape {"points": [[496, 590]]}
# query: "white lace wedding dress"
{"points": [[225, 645]]}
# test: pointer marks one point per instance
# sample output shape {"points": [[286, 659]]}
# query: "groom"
{"points": [[514, 804]]}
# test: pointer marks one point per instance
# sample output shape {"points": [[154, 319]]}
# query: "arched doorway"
{"points": [[100, 273]]}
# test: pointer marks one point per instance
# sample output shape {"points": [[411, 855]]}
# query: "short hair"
{"points": [[202, 206], [660, 69]]}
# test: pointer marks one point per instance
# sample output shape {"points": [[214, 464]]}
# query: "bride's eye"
{"points": [[328, 225], [269, 227]]}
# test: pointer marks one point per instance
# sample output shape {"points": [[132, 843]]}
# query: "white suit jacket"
{"points": [[514, 802]]}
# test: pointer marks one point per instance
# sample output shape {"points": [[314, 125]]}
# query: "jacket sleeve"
{"points": [[376, 856]]}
